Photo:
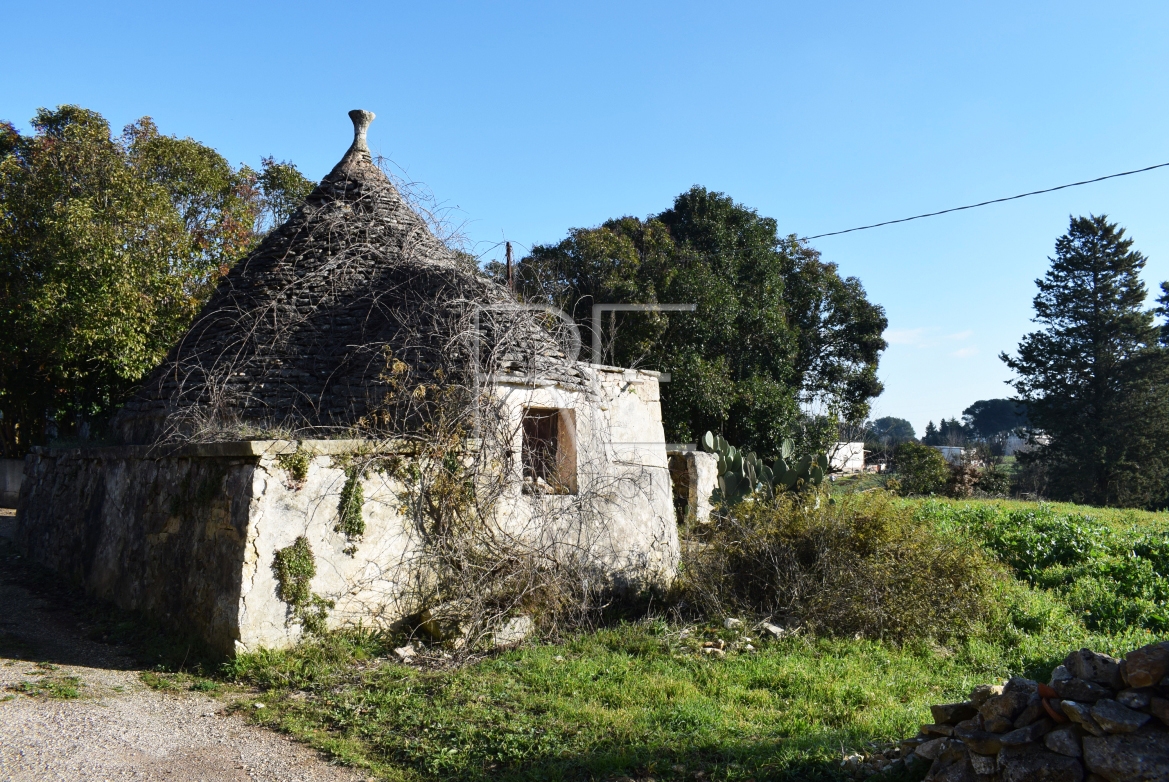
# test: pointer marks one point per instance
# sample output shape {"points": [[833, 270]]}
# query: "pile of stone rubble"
{"points": [[1098, 718]]}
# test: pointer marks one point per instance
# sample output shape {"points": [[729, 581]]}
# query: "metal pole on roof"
{"points": [[510, 277]]}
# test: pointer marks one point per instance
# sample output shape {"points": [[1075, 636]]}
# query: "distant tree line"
{"points": [[109, 245]]}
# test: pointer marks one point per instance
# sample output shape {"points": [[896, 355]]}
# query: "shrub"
{"points": [[993, 481], [962, 481], [860, 565], [920, 469]]}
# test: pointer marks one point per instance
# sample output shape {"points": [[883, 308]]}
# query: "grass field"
{"points": [[643, 700]]}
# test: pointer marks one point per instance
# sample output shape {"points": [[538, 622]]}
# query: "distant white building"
{"points": [[847, 457], [1016, 444]]}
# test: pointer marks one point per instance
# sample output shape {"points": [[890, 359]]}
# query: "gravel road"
{"points": [[118, 728]]}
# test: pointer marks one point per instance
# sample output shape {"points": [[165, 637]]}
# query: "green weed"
{"points": [[1110, 568], [56, 686]]}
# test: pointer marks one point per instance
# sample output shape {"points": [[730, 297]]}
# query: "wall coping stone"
{"points": [[229, 449]]}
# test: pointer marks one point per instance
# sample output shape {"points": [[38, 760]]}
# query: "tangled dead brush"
{"points": [[859, 566]]}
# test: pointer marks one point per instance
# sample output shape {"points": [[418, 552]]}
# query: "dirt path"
{"points": [[118, 728]]}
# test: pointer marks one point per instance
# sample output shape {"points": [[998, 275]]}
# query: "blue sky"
{"points": [[532, 118]]}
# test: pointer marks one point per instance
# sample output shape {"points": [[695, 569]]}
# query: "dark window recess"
{"points": [[549, 450]]}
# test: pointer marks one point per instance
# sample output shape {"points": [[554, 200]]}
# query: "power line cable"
{"points": [[994, 201]]}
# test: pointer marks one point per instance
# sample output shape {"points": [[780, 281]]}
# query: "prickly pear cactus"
{"points": [[742, 474]]}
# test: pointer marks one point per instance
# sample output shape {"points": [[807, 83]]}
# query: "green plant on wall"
{"points": [[296, 465], [295, 567], [349, 518]]}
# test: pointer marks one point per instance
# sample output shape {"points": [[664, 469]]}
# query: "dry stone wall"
{"points": [[1098, 718]]}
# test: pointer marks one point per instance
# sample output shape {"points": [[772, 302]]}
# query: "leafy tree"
{"points": [[987, 418], [920, 469], [1096, 377], [284, 189], [108, 247], [889, 430], [777, 329]]}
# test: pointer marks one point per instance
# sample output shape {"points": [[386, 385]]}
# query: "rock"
{"points": [[1059, 673], [938, 730], [984, 764], [1081, 690], [983, 692], [956, 768], [405, 653], [1081, 714], [1032, 712], [1135, 699], [931, 749], [980, 741], [1159, 708], [1064, 741], [999, 711], [1019, 684], [514, 631], [952, 713], [1146, 666], [1099, 668], [974, 723], [908, 746], [915, 767], [1028, 734], [1117, 718], [714, 651], [775, 631], [1033, 763], [731, 623], [1128, 757]]}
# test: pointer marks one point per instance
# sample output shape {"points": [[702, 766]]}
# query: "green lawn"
{"points": [[643, 700]]}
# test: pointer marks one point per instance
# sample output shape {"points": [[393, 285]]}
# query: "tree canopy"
{"points": [[108, 247], [1095, 377], [777, 332], [889, 431], [988, 418]]}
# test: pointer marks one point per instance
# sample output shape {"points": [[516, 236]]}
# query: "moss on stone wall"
{"points": [[295, 567]]}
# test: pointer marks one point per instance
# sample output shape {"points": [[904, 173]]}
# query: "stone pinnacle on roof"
{"points": [[361, 121]]}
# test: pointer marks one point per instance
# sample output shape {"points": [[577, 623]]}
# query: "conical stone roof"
{"points": [[299, 334]]}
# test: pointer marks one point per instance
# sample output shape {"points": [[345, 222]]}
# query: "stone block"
{"points": [[1129, 757], [1114, 717], [1099, 668], [1034, 763], [1146, 666]]}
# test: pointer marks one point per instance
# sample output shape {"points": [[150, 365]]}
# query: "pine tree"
{"points": [[1095, 378]]}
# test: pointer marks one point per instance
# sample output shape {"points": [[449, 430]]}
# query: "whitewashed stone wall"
{"points": [[189, 536]]}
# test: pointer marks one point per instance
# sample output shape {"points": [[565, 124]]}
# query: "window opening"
{"points": [[549, 450]]}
